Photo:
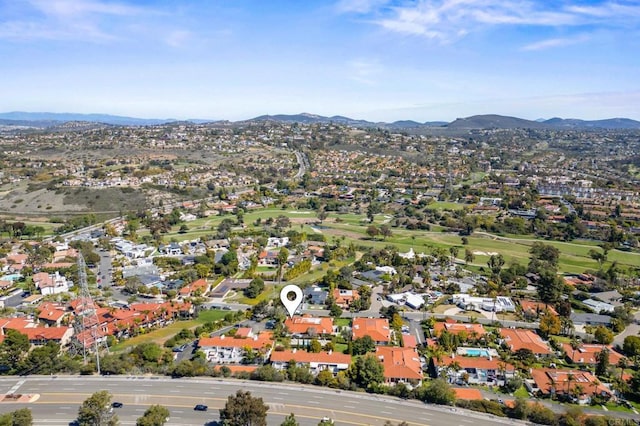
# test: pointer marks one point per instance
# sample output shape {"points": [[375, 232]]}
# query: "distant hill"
{"points": [[492, 121], [489, 121], [611, 123], [93, 118], [307, 118]]}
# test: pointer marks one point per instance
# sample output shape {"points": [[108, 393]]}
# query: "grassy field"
{"points": [[161, 335], [574, 256]]}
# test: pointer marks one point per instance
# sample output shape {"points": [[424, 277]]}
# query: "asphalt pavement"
{"points": [[60, 397]]}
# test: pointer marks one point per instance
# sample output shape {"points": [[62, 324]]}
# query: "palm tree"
{"points": [[569, 380], [575, 345], [622, 364]]}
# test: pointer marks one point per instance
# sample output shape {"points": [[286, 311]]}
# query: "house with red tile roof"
{"points": [[519, 338], [376, 328], [200, 286], [534, 309], [52, 314], [345, 298], [401, 365], [473, 369], [309, 326], [587, 354], [316, 362], [49, 284], [232, 349], [578, 384], [36, 334], [457, 328]]}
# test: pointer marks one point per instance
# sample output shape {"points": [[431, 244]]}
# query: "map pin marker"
{"points": [[291, 304]]}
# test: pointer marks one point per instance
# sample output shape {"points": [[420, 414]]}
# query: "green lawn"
{"points": [[161, 335], [574, 256], [342, 322], [158, 336], [521, 393]]}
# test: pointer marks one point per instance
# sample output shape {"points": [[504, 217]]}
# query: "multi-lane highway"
{"points": [[60, 397]]}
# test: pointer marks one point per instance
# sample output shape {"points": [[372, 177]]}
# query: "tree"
{"points": [[385, 231], [256, 286], [438, 392], [549, 285], [603, 335], [13, 348], [495, 263], [290, 420], [362, 345], [21, 417], [468, 256], [96, 411], [631, 346], [242, 409], [366, 372], [549, 324], [322, 215], [155, 415], [602, 365], [372, 231]]}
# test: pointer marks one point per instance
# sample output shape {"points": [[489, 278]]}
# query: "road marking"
{"points": [[279, 399], [318, 396], [349, 406], [385, 412], [222, 401]]}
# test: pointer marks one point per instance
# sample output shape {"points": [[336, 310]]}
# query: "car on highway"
{"points": [[200, 407], [117, 404]]}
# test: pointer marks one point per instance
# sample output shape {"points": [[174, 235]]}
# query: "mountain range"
{"points": [[488, 121]]}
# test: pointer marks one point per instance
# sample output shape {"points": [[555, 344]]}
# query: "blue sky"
{"points": [[373, 59]]}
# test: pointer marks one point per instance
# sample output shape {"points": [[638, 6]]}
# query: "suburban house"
{"points": [[232, 349], [580, 385], [345, 298], [376, 328], [52, 314], [401, 365], [51, 283], [315, 295], [519, 338], [200, 286], [474, 331], [309, 326], [36, 334], [489, 304], [316, 362], [473, 369], [587, 353], [533, 309]]}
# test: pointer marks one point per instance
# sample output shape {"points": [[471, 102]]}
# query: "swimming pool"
{"points": [[477, 352], [11, 277]]}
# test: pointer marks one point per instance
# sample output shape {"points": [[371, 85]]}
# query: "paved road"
{"points": [[61, 396], [632, 329]]}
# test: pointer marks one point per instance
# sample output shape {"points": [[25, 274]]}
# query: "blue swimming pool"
{"points": [[11, 277], [476, 352]]}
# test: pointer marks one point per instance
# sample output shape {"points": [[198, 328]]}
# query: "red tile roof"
{"points": [[457, 328], [519, 338], [563, 380], [376, 328], [400, 363], [309, 357], [260, 341], [587, 353], [309, 325]]}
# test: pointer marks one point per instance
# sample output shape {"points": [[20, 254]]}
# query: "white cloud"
{"points": [[364, 71], [556, 42], [449, 20], [359, 6], [86, 20], [178, 38], [69, 8]]}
